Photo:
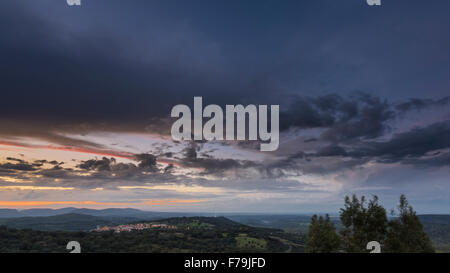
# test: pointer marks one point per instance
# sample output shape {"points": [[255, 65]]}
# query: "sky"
{"points": [[87, 93]]}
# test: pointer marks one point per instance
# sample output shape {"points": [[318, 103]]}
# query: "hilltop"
{"points": [[63, 222], [289, 229], [190, 234]]}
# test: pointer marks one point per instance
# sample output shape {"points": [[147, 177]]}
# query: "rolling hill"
{"points": [[186, 235], [64, 222]]}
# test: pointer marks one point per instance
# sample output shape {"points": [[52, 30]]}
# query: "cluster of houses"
{"points": [[130, 227]]}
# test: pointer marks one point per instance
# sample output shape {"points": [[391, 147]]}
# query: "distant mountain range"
{"points": [[111, 212], [74, 219], [63, 222], [85, 222]]}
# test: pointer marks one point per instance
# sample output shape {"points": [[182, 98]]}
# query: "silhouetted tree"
{"points": [[322, 236], [362, 223], [406, 232]]}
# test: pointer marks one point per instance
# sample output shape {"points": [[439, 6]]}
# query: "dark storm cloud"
{"points": [[312, 163], [105, 172], [419, 104], [331, 151], [368, 119], [303, 113], [82, 69], [261, 185], [57, 172], [345, 118], [440, 160], [146, 162], [15, 159], [421, 146], [412, 144], [211, 165], [216, 166], [23, 166], [97, 164], [289, 162], [328, 165], [48, 130], [78, 72]]}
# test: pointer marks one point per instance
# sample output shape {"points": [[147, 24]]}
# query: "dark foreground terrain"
{"points": [[186, 234], [47, 230], [435, 225]]}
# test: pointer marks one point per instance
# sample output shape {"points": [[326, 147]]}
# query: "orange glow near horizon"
{"points": [[124, 155], [152, 202], [111, 153]]}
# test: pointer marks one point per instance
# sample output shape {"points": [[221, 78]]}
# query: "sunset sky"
{"points": [[364, 95]]}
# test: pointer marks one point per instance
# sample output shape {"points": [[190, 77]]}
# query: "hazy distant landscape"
{"points": [[187, 234], [49, 230]]}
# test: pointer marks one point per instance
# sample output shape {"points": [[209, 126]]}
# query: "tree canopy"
{"points": [[363, 222], [322, 236]]}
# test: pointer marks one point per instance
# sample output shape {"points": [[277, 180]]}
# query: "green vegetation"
{"points": [[194, 224], [251, 243], [206, 236], [290, 223], [322, 236], [364, 222], [66, 222], [360, 221], [406, 232]]}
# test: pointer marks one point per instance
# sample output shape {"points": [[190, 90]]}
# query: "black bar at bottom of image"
{"points": [[229, 262]]}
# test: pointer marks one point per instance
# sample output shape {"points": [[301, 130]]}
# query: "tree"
{"points": [[406, 234], [322, 236], [362, 223]]}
